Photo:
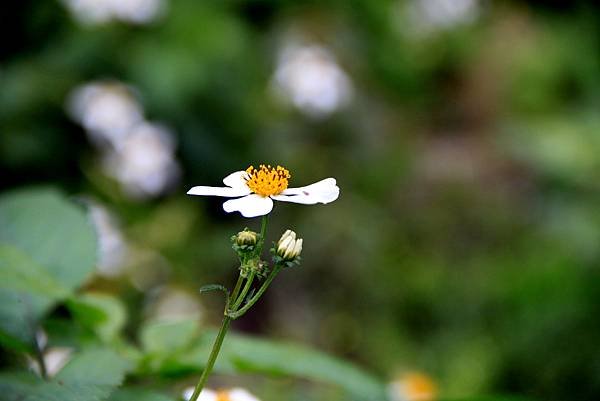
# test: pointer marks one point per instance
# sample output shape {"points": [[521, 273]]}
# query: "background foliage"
{"points": [[464, 244]]}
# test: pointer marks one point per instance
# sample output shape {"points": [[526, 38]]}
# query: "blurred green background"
{"points": [[464, 135]]}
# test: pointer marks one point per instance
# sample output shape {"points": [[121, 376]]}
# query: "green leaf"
{"points": [[164, 337], [26, 292], [162, 340], [247, 354], [489, 398], [213, 287], [47, 249], [52, 231], [19, 313], [96, 366], [21, 273], [102, 313], [138, 395], [27, 387]]}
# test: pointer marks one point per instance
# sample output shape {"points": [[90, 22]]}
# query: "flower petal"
{"points": [[249, 206], [324, 191], [240, 394], [227, 192], [205, 394], [236, 180]]}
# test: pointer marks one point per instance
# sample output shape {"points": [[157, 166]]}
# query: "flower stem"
{"points": [[236, 289], [39, 356], [235, 314], [263, 232], [238, 302], [212, 358], [214, 353]]}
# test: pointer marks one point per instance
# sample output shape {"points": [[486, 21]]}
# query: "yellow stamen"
{"points": [[267, 180]]}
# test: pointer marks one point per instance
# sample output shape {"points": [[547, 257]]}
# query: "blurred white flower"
{"points": [[310, 78], [55, 359], [138, 11], [137, 153], [90, 12], [107, 110], [172, 304], [93, 12], [425, 16], [234, 394], [144, 162], [113, 249]]}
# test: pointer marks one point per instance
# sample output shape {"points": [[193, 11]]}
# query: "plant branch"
{"points": [[235, 314], [212, 358]]}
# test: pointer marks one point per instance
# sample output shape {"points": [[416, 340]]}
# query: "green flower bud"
{"points": [[288, 247], [246, 237]]}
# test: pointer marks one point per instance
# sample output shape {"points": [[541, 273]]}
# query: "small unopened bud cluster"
{"points": [[288, 246], [246, 237], [244, 241]]}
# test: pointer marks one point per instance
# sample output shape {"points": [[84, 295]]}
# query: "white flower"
{"points": [[255, 190], [234, 394], [107, 110], [95, 12], [288, 247], [144, 162], [310, 78]]}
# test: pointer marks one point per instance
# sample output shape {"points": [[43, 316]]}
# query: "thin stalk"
{"points": [[214, 353], [212, 358], [39, 356], [263, 233], [236, 289], [237, 302], [235, 314]]}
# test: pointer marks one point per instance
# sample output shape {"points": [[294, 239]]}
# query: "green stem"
{"points": [[227, 319], [263, 233], [236, 289], [235, 314], [212, 358], [39, 356], [237, 302]]}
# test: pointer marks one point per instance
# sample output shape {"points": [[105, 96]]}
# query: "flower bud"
{"points": [[246, 237], [288, 247]]}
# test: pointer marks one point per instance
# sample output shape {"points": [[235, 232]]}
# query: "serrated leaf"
{"points": [[213, 287], [95, 366]]}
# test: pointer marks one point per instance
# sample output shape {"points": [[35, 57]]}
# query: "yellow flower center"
{"points": [[419, 387], [267, 180], [223, 396]]}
